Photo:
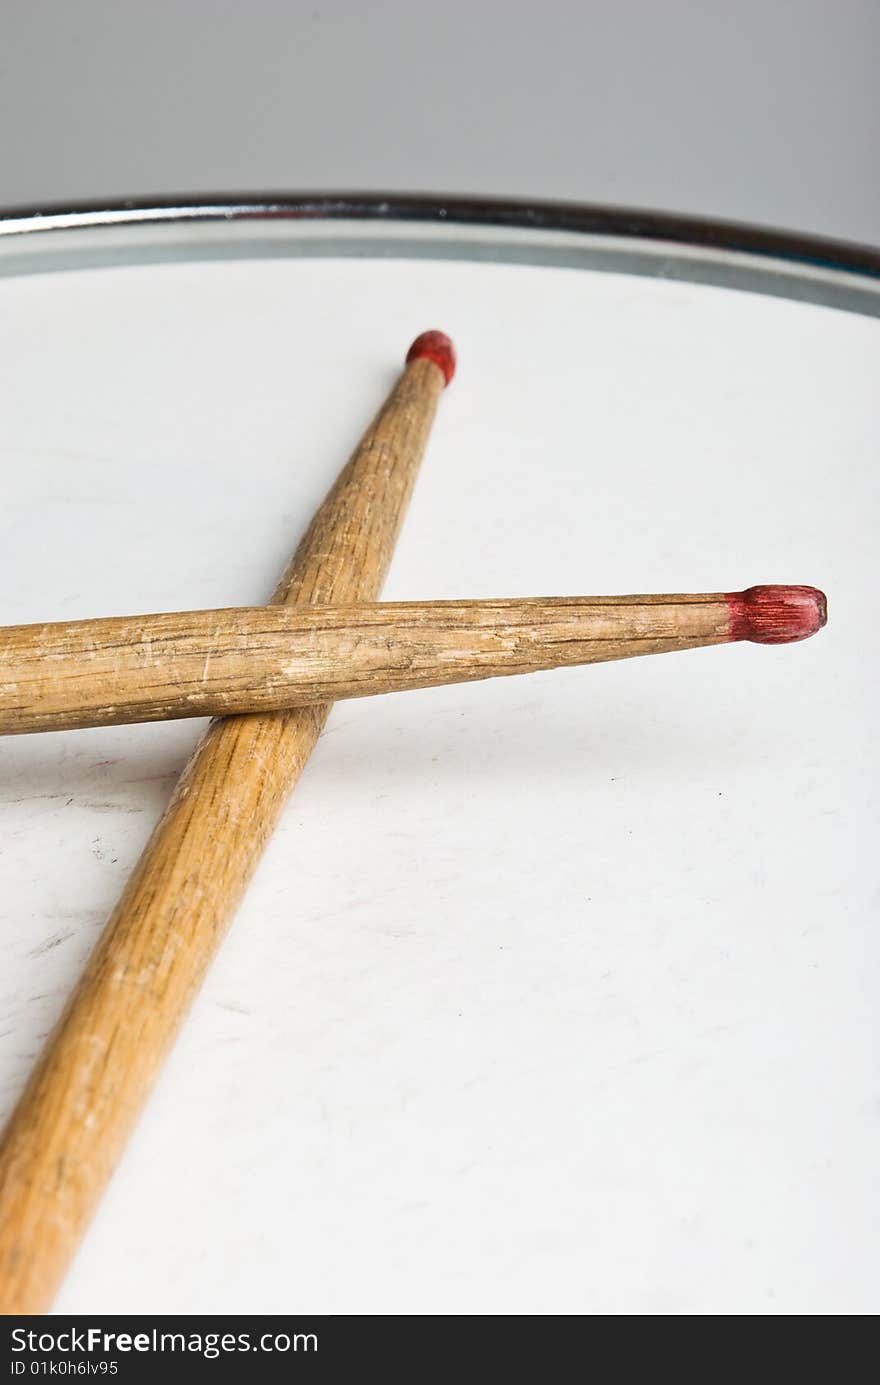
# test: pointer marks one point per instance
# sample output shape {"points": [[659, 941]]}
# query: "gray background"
{"points": [[763, 110]]}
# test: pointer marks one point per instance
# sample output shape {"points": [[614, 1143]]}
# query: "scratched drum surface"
{"points": [[553, 994]]}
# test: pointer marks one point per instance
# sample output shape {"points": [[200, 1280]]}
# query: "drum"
{"points": [[553, 994]]}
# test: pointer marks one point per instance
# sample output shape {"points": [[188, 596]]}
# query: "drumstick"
{"points": [[71, 1123], [210, 663]]}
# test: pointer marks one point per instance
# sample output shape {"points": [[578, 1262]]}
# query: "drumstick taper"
{"points": [[72, 1121], [271, 658]]}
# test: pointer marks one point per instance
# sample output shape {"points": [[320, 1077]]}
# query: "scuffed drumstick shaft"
{"points": [[96, 1071], [215, 663]]}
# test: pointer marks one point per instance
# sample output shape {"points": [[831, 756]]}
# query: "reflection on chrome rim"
{"points": [[291, 225]]}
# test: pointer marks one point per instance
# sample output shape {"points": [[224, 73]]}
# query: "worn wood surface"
{"points": [[77, 1110], [209, 663]]}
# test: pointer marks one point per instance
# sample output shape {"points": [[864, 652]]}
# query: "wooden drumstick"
{"points": [[214, 663], [75, 1114]]}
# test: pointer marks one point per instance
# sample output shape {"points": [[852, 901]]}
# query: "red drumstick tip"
{"points": [[436, 347], [776, 615]]}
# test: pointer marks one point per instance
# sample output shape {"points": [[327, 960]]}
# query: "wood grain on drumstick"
{"points": [[71, 1123], [215, 663]]}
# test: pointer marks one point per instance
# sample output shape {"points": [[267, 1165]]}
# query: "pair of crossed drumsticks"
{"points": [[324, 637]]}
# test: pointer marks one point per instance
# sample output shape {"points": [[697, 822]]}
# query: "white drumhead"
{"points": [[551, 994]]}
